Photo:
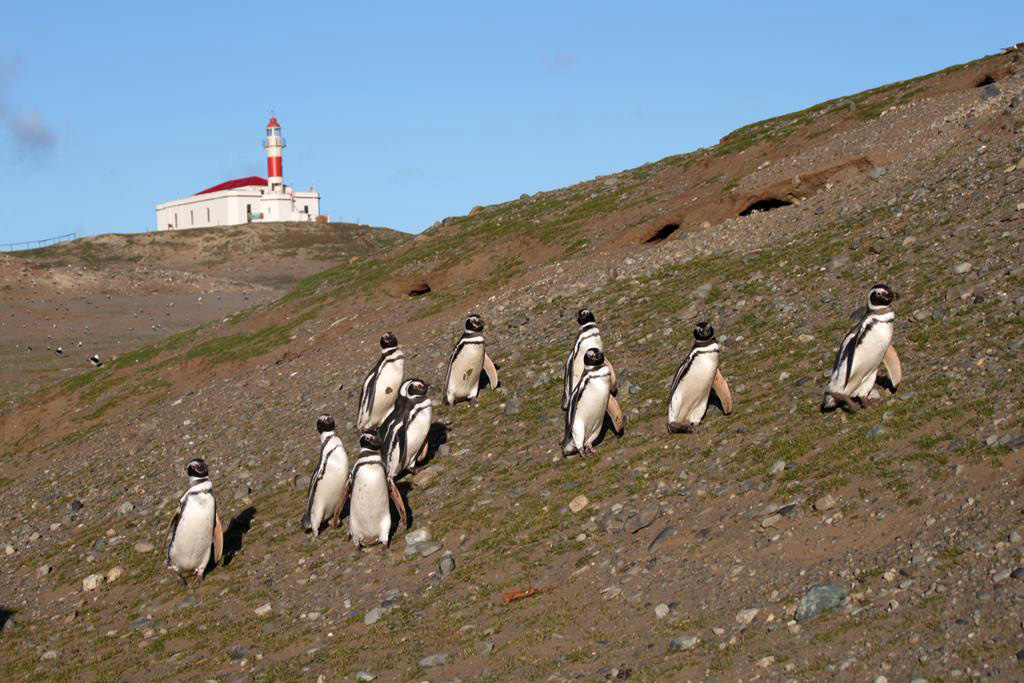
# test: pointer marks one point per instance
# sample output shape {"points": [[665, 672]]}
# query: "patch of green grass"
{"points": [[244, 345]]}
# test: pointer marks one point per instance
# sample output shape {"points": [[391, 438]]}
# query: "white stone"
{"points": [[578, 503], [92, 582]]}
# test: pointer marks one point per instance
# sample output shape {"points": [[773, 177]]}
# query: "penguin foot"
{"points": [[681, 428], [306, 523], [850, 405]]}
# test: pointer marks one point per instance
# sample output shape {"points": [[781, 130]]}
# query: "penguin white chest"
{"points": [[419, 428], [866, 359], [329, 488], [193, 537], [369, 509], [590, 409], [464, 380], [386, 389], [690, 399]]}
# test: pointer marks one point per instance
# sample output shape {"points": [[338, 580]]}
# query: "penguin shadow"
{"points": [[607, 427], [884, 382], [485, 381], [437, 436], [716, 401], [5, 616], [237, 528]]}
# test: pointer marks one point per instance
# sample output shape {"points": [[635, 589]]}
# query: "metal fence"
{"points": [[36, 244]]}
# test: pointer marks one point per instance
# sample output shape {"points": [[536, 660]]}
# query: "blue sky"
{"points": [[410, 112]]}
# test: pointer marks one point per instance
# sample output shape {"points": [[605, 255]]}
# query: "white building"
{"points": [[245, 200]]}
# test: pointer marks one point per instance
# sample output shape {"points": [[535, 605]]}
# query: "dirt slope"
{"points": [[109, 294], [692, 552]]}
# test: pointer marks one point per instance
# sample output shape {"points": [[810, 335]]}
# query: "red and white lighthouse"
{"points": [[274, 143]]}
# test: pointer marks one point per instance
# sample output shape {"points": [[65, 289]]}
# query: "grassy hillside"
{"points": [[690, 553]]}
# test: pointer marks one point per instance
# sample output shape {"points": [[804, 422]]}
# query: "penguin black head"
{"points": [[369, 441], [324, 423], [417, 387], [703, 331], [474, 323], [593, 358], [197, 468], [388, 341], [584, 316], [881, 296]]}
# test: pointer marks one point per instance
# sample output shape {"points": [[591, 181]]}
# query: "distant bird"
{"points": [[468, 360], [697, 375], [589, 337], [868, 344], [95, 360], [380, 388], [195, 529]]}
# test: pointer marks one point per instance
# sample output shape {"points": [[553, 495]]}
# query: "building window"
{"points": [[175, 220], [306, 209], [248, 213], [191, 217], [207, 214]]}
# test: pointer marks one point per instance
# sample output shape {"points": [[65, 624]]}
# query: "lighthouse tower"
{"points": [[274, 143], [245, 200]]}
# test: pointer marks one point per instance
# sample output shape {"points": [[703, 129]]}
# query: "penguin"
{"points": [[329, 480], [369, 488], [868, 344], [405, 429], [589, 337], [468, 359], [590, 401], [195, 527], [696, 376], [380, 388], [95, 360], [59, 351]]}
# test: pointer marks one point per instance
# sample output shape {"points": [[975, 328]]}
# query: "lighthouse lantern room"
{"points": [[244, 200]]}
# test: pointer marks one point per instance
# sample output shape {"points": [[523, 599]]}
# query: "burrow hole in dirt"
{"points": [[986, 80], [662, 233], [420, 289], [765, 205]]}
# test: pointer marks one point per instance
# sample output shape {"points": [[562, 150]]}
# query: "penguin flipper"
{"points": [[615, 413], [492, 373], [614, 377], [891, 360], [396, 498], [340, 505], [218, 539], [721, 388], [173, 525]]}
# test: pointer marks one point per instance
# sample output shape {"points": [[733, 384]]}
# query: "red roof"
{"points": [[251, 181], [273, 123]]}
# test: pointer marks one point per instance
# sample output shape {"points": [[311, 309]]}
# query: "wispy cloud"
{"points": [[559, 60], [33, 139]]}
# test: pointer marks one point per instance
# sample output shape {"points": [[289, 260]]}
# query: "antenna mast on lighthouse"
{"points": [[274, 143]]}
